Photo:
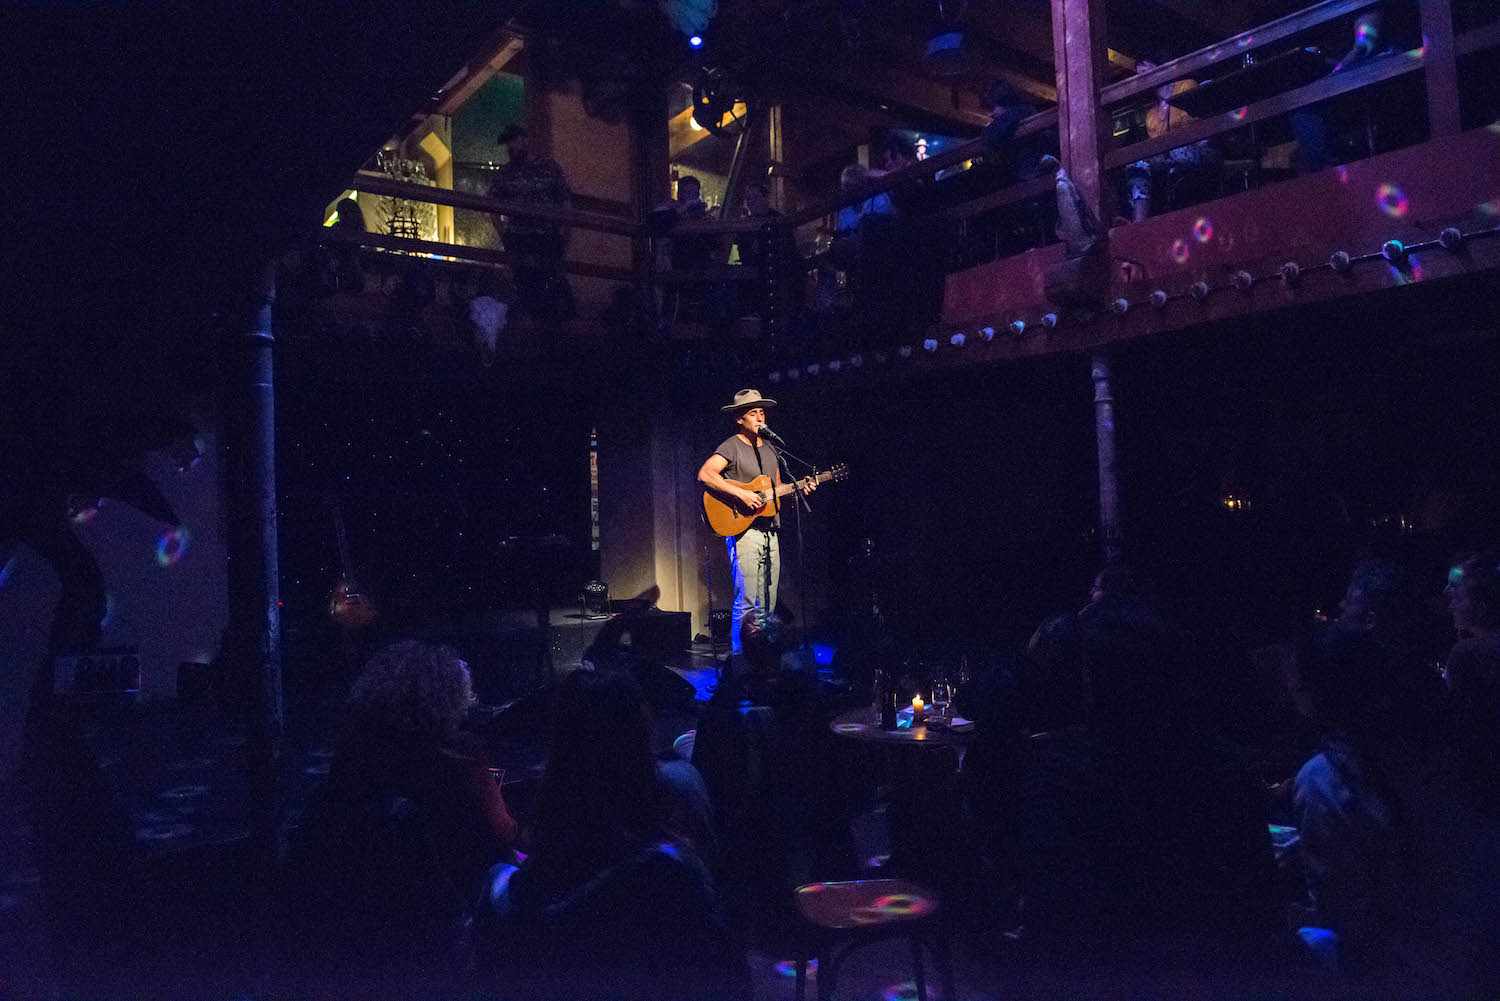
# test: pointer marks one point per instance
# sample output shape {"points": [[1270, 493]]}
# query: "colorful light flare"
{"points": [[788, 967], [172, 547], [1392, 201], [1203, 230], [1238, 114], [1181, 251], [904, 991]]}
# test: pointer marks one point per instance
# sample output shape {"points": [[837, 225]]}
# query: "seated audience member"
{"points": [[1161, 174], [1381, 600], [395, 850], [611, 898], [1472, 669], [1400, 865], [850, 216], [1052, 678], [1139, 832], [754, 247], [705, 301]]}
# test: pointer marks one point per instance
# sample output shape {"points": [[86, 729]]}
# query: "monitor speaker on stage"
{"points": [[113, 672]]}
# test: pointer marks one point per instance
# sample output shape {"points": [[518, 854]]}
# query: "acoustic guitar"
{"points": [[731, 518], [348, 606]]}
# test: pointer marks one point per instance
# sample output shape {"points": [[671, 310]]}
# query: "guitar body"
{"points": [[728, 518]]}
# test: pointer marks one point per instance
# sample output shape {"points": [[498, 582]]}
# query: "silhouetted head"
{"points": [[1131, 667], [600, 785], [409, 692], [896, 153], [1473, 593]]}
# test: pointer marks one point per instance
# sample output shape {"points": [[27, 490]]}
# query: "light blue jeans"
{"points": [[748, 562]]}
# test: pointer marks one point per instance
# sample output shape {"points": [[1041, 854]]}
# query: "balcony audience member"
{"points": [[1196, 162], [752, 246], [611, 896], [705, 301], [1140, 832], [1386, 29], [528, 176], [1400, 864], [1472, 669], [395, 849]]}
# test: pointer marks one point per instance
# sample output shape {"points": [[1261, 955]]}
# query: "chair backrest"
{"points": [[372, 887]]}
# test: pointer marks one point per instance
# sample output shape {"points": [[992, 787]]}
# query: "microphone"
{"points": [[769, 435]]}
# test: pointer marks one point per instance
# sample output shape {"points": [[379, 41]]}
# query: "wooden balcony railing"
{"points": [[1437, 60]]}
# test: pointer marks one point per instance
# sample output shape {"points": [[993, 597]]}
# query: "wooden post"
{"points": [[1104, 433], [1078, 44], [255, 606], [1440, 64], [651, 144], [776, 155]]}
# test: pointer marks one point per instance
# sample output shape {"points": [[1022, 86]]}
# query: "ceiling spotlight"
{"points": [[930, 344], [1049, 320], [1291, 273], [1199, 290], [814, 368], [1018, 327], [1451, 238], [1244, 281], [1119, 307], [904, 351], [696, 41], [957, 340], [1340, 262], [835, 365], [1159, 299], [1393, 251], [774, 377], [988, 333]]}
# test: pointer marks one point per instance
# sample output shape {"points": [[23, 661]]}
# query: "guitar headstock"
{"points": [[837, 473]]}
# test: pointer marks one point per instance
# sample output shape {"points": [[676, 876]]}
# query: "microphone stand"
{"points": [[802, 504]]}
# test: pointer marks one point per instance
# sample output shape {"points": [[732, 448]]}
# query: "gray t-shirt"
{"points": [[747, 462]]}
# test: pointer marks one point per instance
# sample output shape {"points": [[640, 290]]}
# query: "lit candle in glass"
{"points": [[918, 709]]}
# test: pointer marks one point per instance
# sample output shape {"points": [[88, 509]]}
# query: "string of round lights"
{"points": [[1290, 274]]}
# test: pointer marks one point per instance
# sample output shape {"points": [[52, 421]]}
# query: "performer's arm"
{"points": [[711, 475]]}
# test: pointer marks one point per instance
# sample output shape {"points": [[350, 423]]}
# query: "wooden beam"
{"points": [[1078, 40], [917, 171], [1376, 71], [482, 255], [491, 59], [998, 199], [1440, 63], [898, 90], [1190, 64], [379, 184]]}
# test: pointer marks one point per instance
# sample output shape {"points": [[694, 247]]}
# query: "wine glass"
{"points": [[942, 694]]}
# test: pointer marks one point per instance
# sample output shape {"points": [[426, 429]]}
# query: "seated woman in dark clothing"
{"points": [[611, 898], [393, 853], [1138, 833]]}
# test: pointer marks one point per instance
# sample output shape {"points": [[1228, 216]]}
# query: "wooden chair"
{"points": [[841, 917]]}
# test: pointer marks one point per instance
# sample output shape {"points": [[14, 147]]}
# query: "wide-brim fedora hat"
{"points": [[747, 399]]}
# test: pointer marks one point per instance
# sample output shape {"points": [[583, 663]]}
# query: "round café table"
{"points": [[923, 816], [863, 724]]}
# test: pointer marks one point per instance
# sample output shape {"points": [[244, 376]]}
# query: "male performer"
{"points": [[754, 554]]}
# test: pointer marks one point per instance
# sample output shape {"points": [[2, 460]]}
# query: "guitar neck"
{"points": [[782, 489]]}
